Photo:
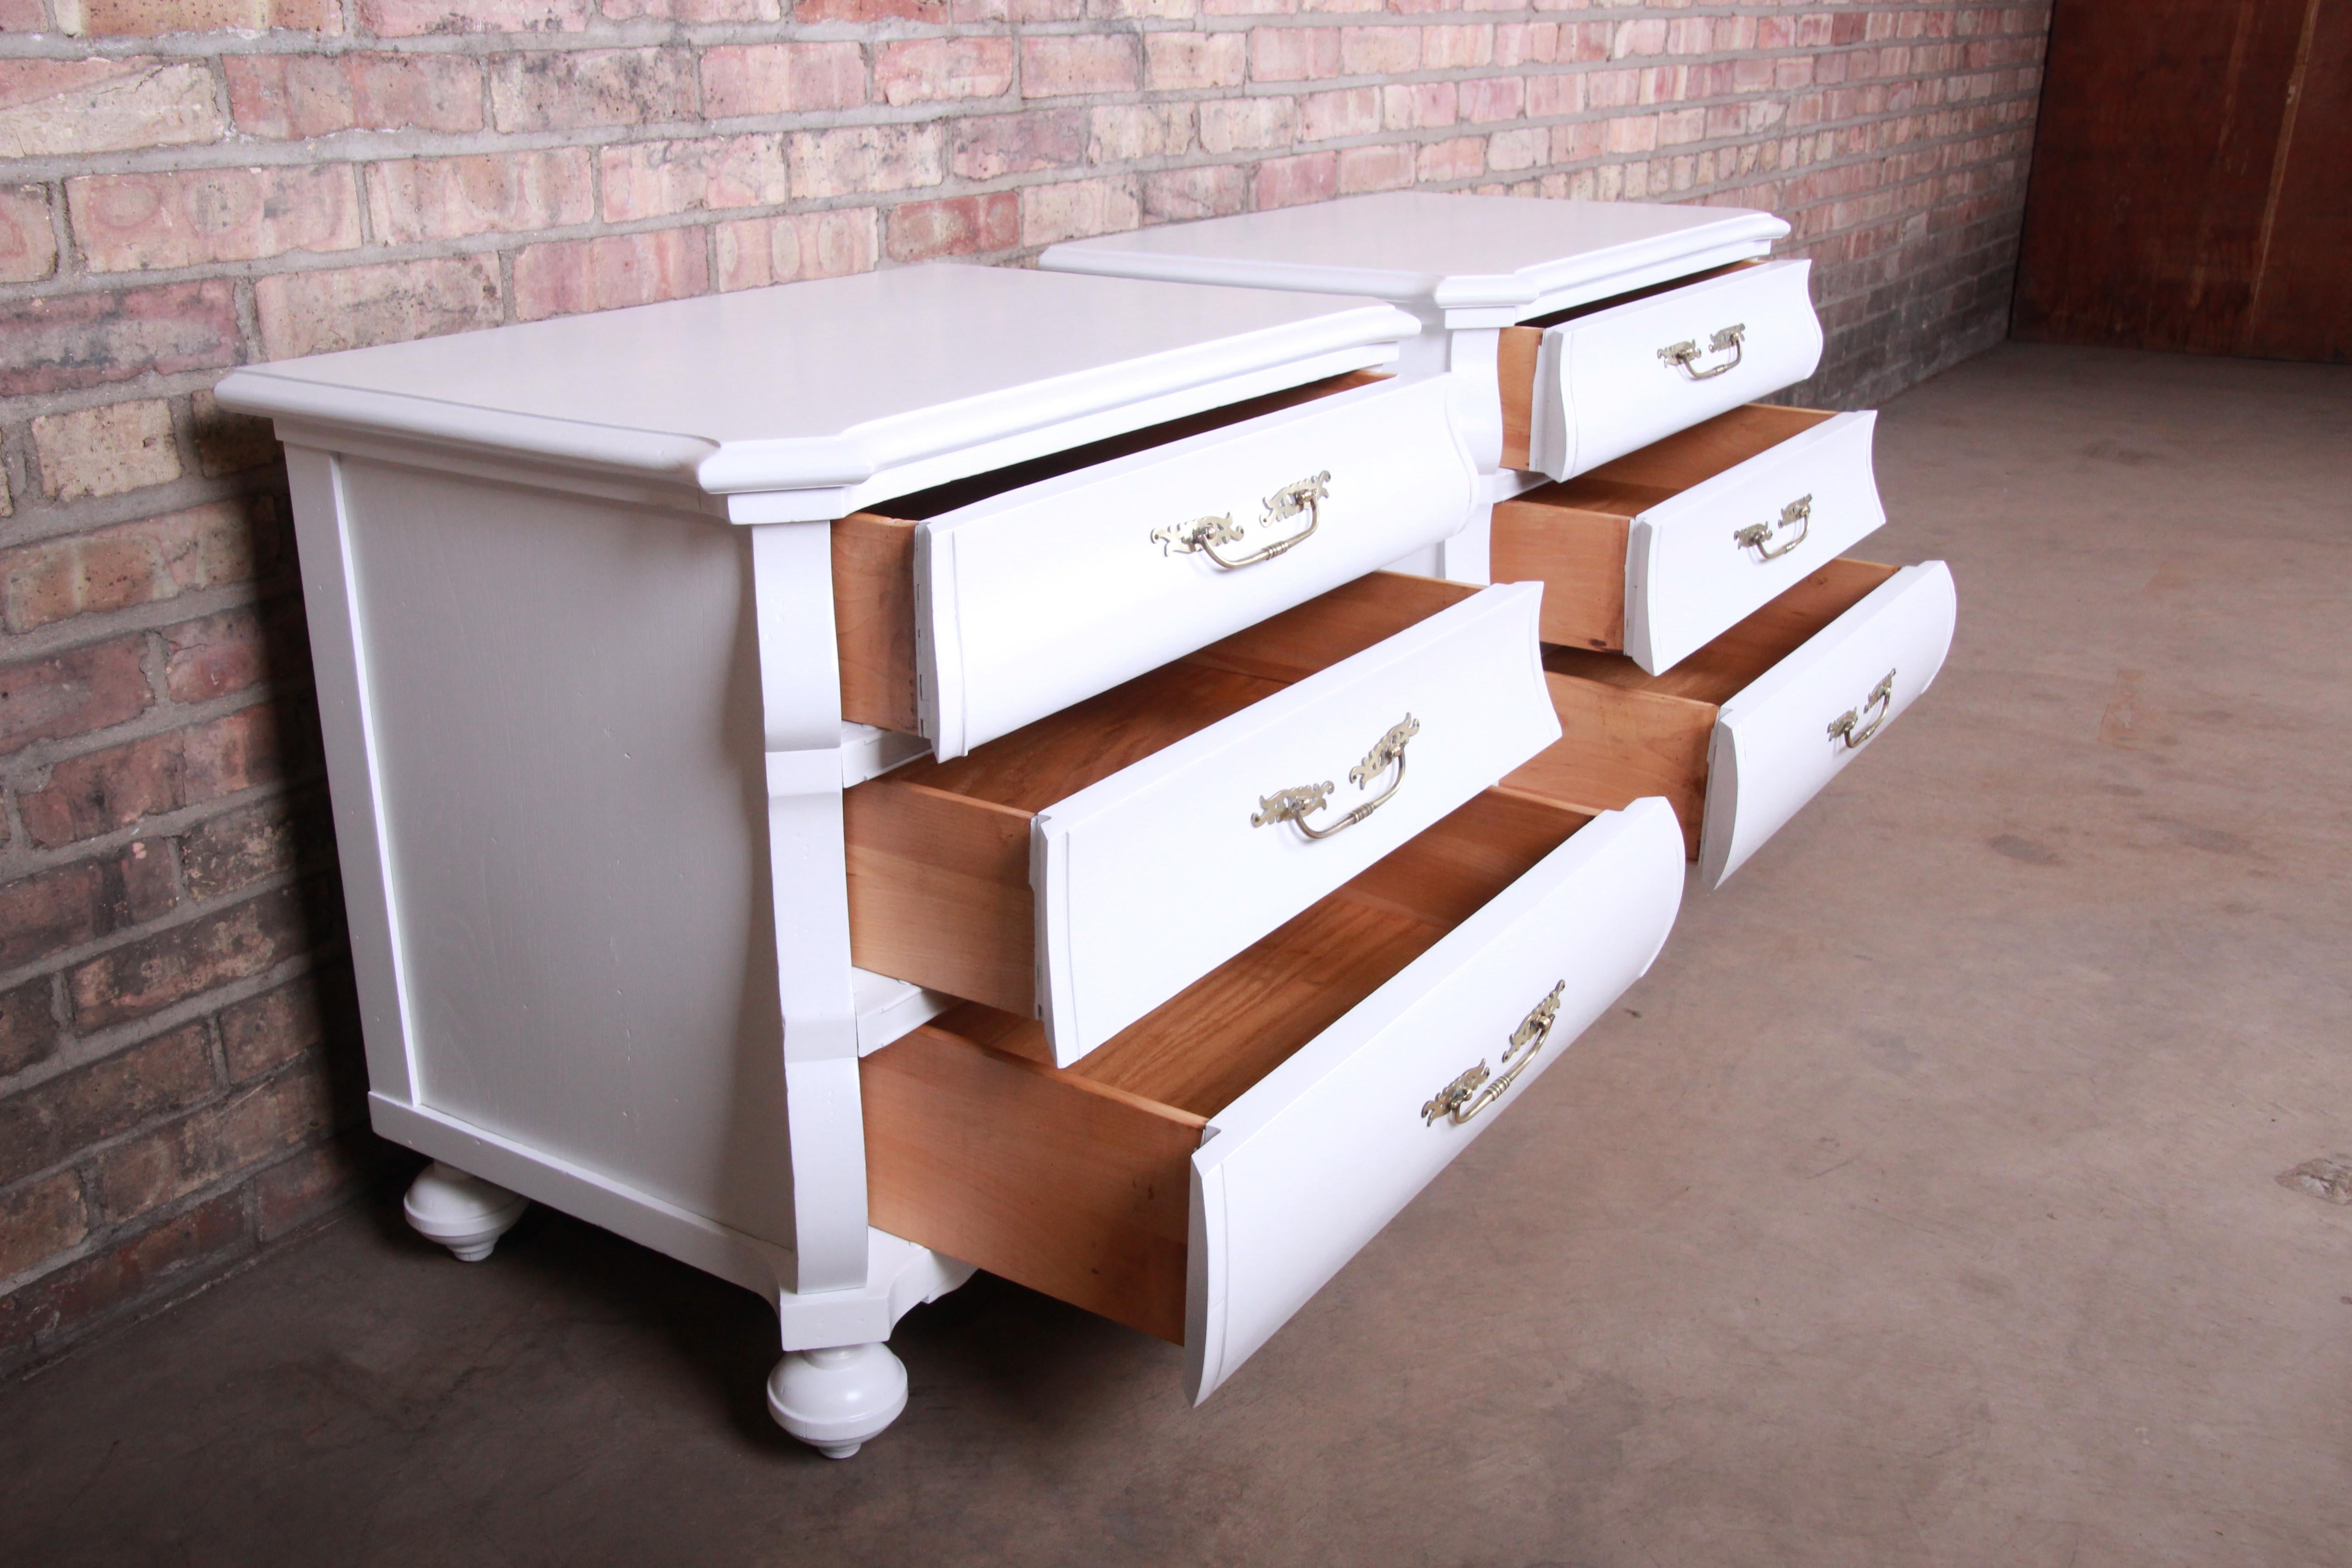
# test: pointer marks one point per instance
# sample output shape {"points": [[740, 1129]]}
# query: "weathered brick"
{"points": [[323, 1178], [1287, 182], [1123, 131], [57, 108], [1061, 64], [576, 90], [1422, 105], [573, 275], [208, 1145], [964, 226], [990, 145], [263, 1033], [230, 443], [1383, 51], [71, 693], [1527, 42], [75, 341], [233, 943], [653, 179], [1078, 209], [224, 653], [1174, 62], [1450, 48], [29, 245], [29, 1027], [870, 11], [829, 243], [238, 848], [129, 222], [782, 78], [157, 1262], [1243, 124], [134, 563], [1292, 54], [1461, 158], [49, 1122], [289, 97], [417, 199], [922, 70], [106, 450], [1179, 195], [1510, 151], [1375, 169], [1350, 112], [693, 10], [150, 18], [100, 791], [318, 312], [1553, 94], [861, 158], [40, 1220], [414, 18]]}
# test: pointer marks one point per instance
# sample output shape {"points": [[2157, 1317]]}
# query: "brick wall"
{"points": [[179, 1074]]}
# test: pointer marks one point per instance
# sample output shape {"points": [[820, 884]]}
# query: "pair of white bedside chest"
{"points": [[854, 782]]}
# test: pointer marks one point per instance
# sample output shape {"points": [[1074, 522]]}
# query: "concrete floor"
{"points": [[1920, 1207]]}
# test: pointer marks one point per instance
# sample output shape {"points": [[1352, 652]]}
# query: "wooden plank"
{"points": [[2302, 306], [938, 891], [873, 620], [1580, 558], [1690, 456], [1515, 370], [1034, 1174], [1618, 745], [1338, 624]]}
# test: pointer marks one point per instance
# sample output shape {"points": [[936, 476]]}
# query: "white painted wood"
{"points": [[1688, 578], [899, 1277], [1601, 390], [1040, 596], [463, 1213], [828, 385], [1772, 749], [1464, 260], [1150, 878], [838, 1399], [888, 1008], [1294, 1177], [867, 753]]}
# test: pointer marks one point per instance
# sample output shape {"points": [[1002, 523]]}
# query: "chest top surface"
{"points": [[1472, 261], [829, 385]]}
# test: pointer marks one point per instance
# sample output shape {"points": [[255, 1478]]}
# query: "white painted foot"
{"points": [[465, 1213], [834, 1400]]}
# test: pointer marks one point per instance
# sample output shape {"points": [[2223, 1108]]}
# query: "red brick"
{"points": [[1292, 54], [1246, 124], [238, 848], [1495, 97], [1118, 132], [861, 158], [575, 275], [760, 251], [128, 222], [230, 443], [1459, 158], [28, 1028], [1447, 49], [412, 18], [76, 340], [254, 745], [158, 1262], [1419, 105], [1383, 51], [57, 108], [150, 18], [316, 312], [72, 693], [106, 450], [101, 791], [1061, 64], [922, 70], [1554, 94], [1375, 169], [1177, 61], [1350, 112], [965, 226], [293, 97], [693, 10], [23, 17], [417, 199], [573, 90], [1078, 209], [235, 944], [1508, 152], [40, 1220], [224, 653], [1179, 195], [782, 78], [134, 563], [262, 1034], [54, 1120], [654, 179], [206, 1146], [987, 146], [1525, 43], [323, 1178], [870, 11], [29, 245], [1287, 182]]}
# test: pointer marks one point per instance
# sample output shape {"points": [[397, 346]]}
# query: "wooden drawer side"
{"points": [[1616, 746], [1578, 556], [938, 891], [873, 620]]}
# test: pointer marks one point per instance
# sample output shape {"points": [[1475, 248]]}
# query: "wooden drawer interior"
{"points": [[1075, 1181], [1571, 536], [939, 852], [874, 552], [1625, 733]]}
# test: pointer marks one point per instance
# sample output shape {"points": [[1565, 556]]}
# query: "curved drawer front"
{"points": [[1034, 599], [1145, 882], [1696, 564], [1621, 378], [1308, 1165], [1778, 742]]}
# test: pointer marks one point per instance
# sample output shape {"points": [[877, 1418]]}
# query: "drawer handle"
{"points": [[1297, 803], [1881, 697], [1206, 534], [1681, 355], [1757, 536], [1474, 1090]]}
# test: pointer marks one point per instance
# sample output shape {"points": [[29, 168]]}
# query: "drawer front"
{"points": [[1305, 1167], [1605, 383], [1781, 738], [1148, 880], [1697, 565], [1032, 600]]}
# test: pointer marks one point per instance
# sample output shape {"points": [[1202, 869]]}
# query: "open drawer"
{"points": [[976, 607], [1087, 866], [1663, 548], [1741, 734], [1599, 381], [1207, 1171]]}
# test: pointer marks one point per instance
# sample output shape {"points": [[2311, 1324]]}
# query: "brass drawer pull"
{"points": [[1475, 1090], [1206, 534], [1881, 697], [1681, 355], [1297, 803], [1757, 536]]}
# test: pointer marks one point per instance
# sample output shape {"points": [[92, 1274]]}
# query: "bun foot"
{"points": [[834, 1400], [463, 1213]]}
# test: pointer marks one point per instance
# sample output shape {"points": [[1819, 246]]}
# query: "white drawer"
{"points": [[1660, 551], [1029, 600], [1745, 730], [1210, 1170], [1617, 377], [1086, 867]]}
